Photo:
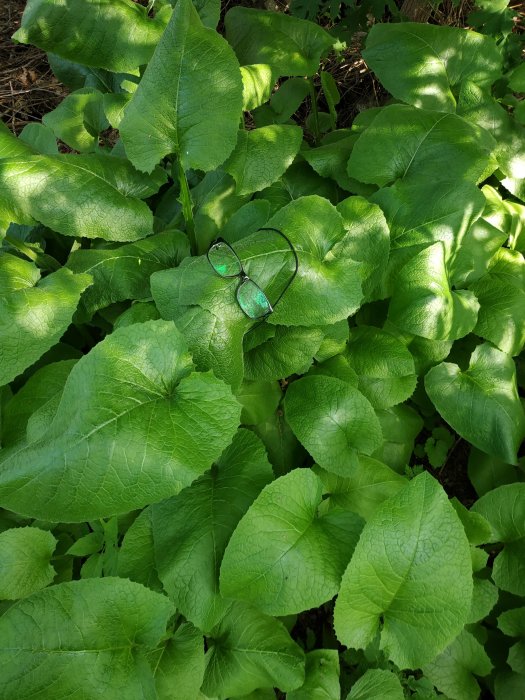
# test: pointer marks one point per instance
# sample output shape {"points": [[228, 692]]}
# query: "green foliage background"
{"points": [[194, 506]]}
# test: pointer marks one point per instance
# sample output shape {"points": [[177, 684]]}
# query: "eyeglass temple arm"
{"points": [[269, 228]]}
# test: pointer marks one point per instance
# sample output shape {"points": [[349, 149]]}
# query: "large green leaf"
{"points": [[512, 623], [501, 294], [35, 314], [482, 403], [296, 557], [82, 639], [334, 421], [262, 155], [425, 64], [384, 366], [25, 554], [123, 272], [134, 426], [40, 389], [112, 34], [189, 100], [453, 671], [436, 146], [191, 530], [179, 665], [289, 45], [423, 302], [420, 213], [249, 650], [504, 508], [44, 187], [398, 580], [322, 677]]}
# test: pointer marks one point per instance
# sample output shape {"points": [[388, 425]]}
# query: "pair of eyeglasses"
{"points": [[251, 298]]}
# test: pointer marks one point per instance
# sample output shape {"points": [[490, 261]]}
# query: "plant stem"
{"points": [[42, 259], [313, 100], [187, 208]]}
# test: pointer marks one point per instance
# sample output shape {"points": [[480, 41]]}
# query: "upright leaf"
{"points": [[189, 99], [249, 650], [296, 557], [83, 638], [192, 529], [399, 577], [113, 34], [134, 426], [482, 403]]}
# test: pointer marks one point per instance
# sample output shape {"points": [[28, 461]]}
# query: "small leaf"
{"points": [[322, 677], [376, 684], [296, 558], [399, 577], [334, 421], [481, 404], [136, 556], [504, 508], [257, 85], [453, 671], [512, 623], [25, 554]]}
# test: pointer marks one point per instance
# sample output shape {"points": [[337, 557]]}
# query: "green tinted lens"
{"points": [[224, 260], [253, 300]]}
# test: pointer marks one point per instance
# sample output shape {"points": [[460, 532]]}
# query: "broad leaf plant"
{"points": [[198, 505]]}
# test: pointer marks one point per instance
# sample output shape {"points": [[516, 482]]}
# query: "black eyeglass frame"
{"points": [[243, 277]]}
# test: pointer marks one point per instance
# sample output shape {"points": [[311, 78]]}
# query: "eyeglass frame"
{"points": [[243, 277]]}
